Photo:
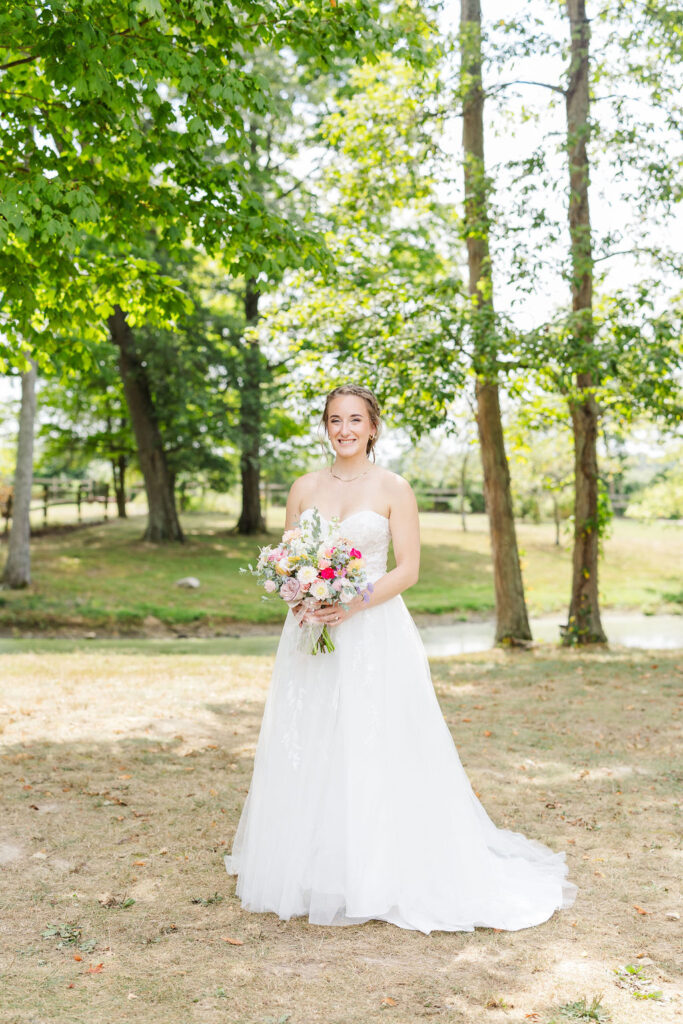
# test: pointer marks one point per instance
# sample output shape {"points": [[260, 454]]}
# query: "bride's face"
{"points": [[348, 425]]}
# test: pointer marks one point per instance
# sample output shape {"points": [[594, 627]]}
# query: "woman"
{"points": [[359, 807]]}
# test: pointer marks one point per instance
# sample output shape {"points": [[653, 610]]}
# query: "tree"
{"points": [[617, 351], [511, 616], [584, 608], [251, 518], [126, 120], [110, 107], [163, 523], [17, 571]]}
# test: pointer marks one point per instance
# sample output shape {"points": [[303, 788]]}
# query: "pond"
{"points": [[630, 629]]}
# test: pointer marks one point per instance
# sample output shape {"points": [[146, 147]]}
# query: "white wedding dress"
{"points": [[359, 807]]}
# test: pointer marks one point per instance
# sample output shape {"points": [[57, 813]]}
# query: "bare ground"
{"points": [[123, 777]]}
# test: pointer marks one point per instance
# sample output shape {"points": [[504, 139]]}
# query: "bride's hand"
{"points": [[334, 614]]}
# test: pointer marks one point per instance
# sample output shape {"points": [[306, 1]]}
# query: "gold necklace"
{"points": [[349, 479]]}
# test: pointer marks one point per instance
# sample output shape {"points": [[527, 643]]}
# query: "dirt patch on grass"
{"points": [[123, 777]]}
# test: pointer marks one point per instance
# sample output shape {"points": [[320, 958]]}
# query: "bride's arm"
{"points": [[293, 503], [405, 536]]}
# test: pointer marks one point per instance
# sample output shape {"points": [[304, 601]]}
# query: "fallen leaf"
{"points": [[388, 1001], [487, 732], [465, 719], [233, 942], [94, 968], [71, 985], [139, 863], [77, 956], [640, 909]]}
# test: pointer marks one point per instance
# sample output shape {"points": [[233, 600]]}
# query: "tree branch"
{"points": [[618, 252], [524, 81], [27, 60], [22, 60]]}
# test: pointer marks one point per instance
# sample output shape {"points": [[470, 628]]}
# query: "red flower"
{"points": [[355, 553], [327, 574]]}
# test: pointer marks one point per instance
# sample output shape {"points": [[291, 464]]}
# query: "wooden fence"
{"points": [[50, 492]]}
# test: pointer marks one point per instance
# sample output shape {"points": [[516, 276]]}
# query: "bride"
{"points": [[359, 807]]}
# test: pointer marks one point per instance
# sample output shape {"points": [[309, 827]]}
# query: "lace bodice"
{"points": [[370, 533]]}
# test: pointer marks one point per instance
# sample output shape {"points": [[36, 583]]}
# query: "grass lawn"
{"points": [[123, 773], [103, 577]]}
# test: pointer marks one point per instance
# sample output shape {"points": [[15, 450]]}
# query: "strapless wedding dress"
{"points": [[359, 807]]}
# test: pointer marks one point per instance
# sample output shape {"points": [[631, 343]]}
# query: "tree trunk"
{"points": [[163, 523], [17, 572], [463, 491], [584, 610], [118, 466], [251, 518], [556, 517], [512, 622]]}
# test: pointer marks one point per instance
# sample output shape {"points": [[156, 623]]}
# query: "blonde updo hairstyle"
{"points": [[360, 391]]}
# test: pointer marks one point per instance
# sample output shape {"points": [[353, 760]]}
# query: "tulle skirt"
{"points": [[359, 807]]}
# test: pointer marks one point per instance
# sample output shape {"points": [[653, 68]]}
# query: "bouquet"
{"points": [[311, 567]]}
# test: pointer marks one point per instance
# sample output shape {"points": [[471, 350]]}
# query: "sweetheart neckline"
{"points": [[358, 512]]}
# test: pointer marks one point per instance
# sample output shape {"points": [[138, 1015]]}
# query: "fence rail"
{"points": [[53, 492]]}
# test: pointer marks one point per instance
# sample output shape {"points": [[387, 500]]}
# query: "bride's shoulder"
{"points": [[393, 480], [305, 484], [396, 487]]}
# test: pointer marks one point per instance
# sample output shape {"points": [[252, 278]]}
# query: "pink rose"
{"points": [[355, 553], [323, 563], [337, 585], [290, 590], [270, 586], [327, 574]]}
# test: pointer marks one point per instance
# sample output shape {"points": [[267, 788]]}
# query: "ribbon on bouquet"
{"points": [[312, 637]]}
